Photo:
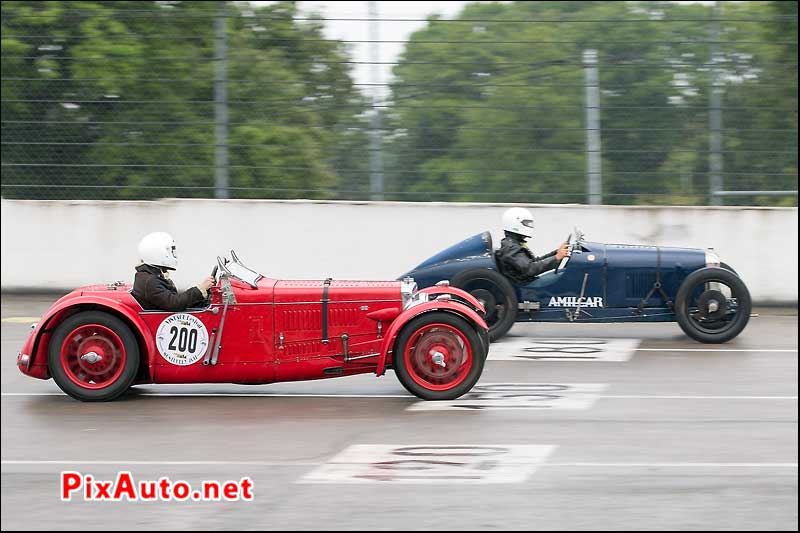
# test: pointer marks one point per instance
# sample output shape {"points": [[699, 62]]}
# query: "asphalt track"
{"points": [[654, 432]]}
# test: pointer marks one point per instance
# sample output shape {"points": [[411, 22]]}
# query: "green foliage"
{"points": [[116, 100], [505, 121], [129, 91]]}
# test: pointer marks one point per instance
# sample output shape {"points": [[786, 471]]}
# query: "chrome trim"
{"points": [[365, 356], [418, 298], [91, 357], [344, 338], [528, 306], [443, 283], [218, 340], [407, 289], [712, 259]]}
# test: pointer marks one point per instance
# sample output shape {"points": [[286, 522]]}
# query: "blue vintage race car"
{"points": [[601, 283]]}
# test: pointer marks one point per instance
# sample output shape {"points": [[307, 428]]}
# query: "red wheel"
{"points": [[93, 356], [438, 356]]}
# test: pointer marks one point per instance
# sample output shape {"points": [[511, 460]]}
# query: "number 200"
{"points": [[185, 337]]}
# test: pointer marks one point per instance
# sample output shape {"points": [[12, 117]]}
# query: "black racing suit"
{"points": [[517, 262], [153, 291]]}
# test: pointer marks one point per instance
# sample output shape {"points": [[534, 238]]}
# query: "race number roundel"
{"points": [[182, 339]]}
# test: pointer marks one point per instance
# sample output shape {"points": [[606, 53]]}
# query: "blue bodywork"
{"points": [[617, 277]]}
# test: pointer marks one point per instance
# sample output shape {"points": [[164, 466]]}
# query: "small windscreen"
{"points": [[242, 273]]}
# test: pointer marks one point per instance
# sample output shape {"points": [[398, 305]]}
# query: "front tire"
{"points": [[93, 356], [438, 356], [497, 295], [712, 305]]}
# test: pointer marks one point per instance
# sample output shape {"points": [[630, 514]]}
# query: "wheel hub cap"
{"points": [[439, 356], [712, 305], [91, 357]]}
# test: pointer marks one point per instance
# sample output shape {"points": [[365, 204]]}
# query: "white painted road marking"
{"points": [[716, 350], [20, 319], [435, 463], [60, 463], [162, 463], [392, 396], [519, 396], [560, 349]]}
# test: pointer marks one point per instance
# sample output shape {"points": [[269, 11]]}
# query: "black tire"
{"points": [[498, 295], [726, 266], [437, 323], [120, 356], [719, 331]]}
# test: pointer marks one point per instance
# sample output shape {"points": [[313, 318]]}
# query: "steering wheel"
{"points": [[572, 239], [208, 294]]}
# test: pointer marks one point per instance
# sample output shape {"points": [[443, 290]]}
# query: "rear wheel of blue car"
{"points": [[496, 294], [93, 356], [712, 305], [438, 356]]}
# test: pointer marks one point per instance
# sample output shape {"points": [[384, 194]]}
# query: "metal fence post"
{"points": [[715, 162], [220, 104], [594, 176], [375, 141]]}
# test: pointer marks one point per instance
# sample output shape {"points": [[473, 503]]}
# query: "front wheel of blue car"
{"points": [[712, 305], [496, 294]]}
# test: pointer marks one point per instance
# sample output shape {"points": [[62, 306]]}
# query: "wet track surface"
{"points": [[630, 427]]}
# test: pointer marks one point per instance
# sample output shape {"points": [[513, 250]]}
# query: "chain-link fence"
{"points": [[601, 102]]}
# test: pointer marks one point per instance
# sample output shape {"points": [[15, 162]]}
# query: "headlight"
{"points": [[712, 259], [407, 289]]}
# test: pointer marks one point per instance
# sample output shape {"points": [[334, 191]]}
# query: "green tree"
{"points": [[490, 105], [116, 100]]}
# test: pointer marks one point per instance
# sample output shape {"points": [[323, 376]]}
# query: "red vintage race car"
{"points": [[97, 341]]}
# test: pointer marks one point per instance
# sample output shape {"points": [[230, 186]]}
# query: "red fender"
{"points": [[73, 301], [434, 305], [455, 292]]}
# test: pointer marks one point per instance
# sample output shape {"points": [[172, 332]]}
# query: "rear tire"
{"points": [[496, 293], [447, 337], [93, 356], [699, 323]]}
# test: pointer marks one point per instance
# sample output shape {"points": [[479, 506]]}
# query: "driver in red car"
{"points": [[514, 257], [152, 287]]}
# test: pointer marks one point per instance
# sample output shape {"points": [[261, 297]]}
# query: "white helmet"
{"points": [[518, 220], [158, 249]]}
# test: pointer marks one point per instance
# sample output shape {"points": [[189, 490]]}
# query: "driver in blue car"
{"points": [[514, 257], [152, 287]]}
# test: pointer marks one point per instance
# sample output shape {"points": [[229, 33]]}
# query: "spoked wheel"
{"points": [[438, 356], [713, 305], [93, 356], [496, 294]]}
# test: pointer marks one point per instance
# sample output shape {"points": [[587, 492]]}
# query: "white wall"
{"points": [[65, 244]]}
